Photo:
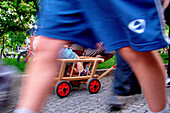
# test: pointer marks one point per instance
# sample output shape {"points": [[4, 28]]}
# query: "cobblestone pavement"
{"points": [[81, 101]]}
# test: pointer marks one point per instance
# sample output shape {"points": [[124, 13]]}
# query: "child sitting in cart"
{"points": [[67, 53]]}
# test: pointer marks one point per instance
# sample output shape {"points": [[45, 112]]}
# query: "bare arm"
{"points": [[165, 4]]}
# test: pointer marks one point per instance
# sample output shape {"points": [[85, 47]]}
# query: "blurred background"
{"points": [[17, 25]]}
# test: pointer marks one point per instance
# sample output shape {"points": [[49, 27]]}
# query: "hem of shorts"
{"points": [[56, 37], [150, 46], [138, 47], [117, 45], [66, 38]]}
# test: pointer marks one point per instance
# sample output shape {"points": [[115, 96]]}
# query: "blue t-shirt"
{"points": [[66, 53]]}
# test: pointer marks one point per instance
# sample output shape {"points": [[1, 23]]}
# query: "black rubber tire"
{"points": [[63, 89], [93, 85]]}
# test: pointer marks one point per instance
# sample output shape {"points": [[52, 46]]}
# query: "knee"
{"points": [[133, 57], [129, 55]]}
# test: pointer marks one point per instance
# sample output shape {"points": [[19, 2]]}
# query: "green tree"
{"points": [[16, 19]]}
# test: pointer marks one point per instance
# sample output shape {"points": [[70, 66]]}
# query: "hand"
{"points": [[165, 4], [99, 44], [66, 46]]}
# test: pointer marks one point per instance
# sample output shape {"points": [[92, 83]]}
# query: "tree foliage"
{"points": [[16, 19]]}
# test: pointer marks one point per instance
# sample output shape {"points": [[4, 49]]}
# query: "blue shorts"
{"points": [[117, 23]]}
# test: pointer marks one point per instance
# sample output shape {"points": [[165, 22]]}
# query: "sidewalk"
{"points": [[80, 101]]}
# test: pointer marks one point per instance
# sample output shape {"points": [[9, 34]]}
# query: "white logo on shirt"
{"points": [[137, 26]]}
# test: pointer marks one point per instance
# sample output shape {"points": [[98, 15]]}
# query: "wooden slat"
{"points": [[94, 69], [76, 78], [88, 69], [105, 73], [72, 69], [62, 70], [81, 60]]}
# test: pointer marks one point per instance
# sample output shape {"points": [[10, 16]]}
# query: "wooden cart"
{"points": [[63, 83]]}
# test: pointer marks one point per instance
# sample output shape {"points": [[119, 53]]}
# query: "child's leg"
{"points": [[41, 74], [151, 74]]}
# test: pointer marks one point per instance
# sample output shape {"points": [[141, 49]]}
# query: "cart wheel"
{"points": [[93, 85], [63, 89], [75, 83]]}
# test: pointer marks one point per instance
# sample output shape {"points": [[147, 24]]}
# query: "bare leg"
{"points": [[41, 74], [151, 74]]}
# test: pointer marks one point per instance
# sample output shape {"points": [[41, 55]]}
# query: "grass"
{"points": [[104, 65], [112, 61], [21, 65], [164, 57], [13, 62], [107, 64]]}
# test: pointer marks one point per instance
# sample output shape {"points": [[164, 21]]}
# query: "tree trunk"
{"points": [[2, 50]]}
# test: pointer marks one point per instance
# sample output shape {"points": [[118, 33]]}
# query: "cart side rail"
{"points": [[93, 62]]}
